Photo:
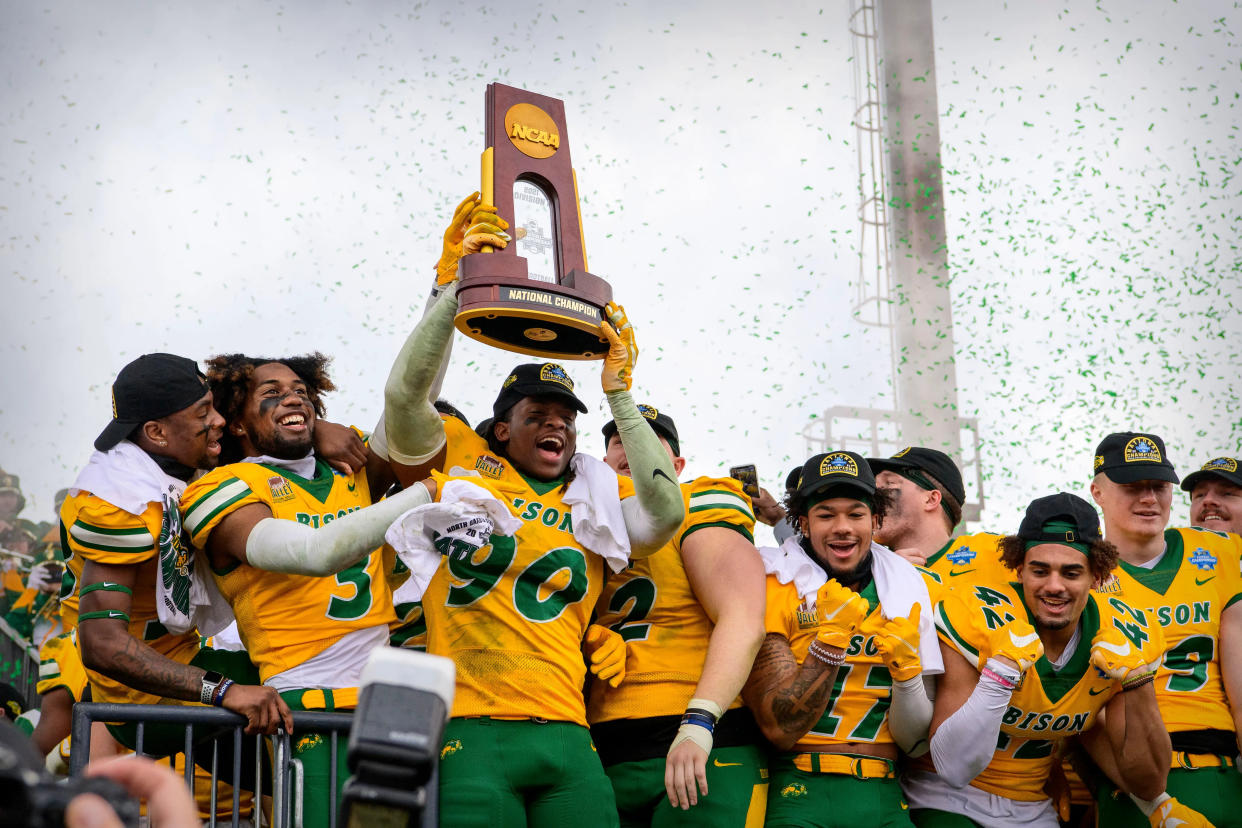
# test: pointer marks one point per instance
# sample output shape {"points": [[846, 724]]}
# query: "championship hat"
{"points": [[1226, 468], [1129, 456], [836, 469], [1060, 518], [919, 459], [535, 379], [10, 483], [150, 387], [660, 422]]}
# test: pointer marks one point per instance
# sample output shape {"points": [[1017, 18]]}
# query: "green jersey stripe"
{"points": [[123, 550], [109, 530], [724, 524], [49, 669], [962, 646], [209, 505], [131, 540], [722, 499]]}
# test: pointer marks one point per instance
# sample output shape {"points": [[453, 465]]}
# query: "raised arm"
{"points": [[653, 515]]}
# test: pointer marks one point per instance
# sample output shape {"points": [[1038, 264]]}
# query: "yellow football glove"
{"points": [[1172, 814], [618, 373], [898, 643], [473, 225], [605, 652], [1115, 655], [1016, 641], [840, 610]]}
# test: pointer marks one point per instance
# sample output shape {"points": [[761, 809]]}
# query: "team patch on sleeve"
{"points": [[209, 505], [119, 540]]}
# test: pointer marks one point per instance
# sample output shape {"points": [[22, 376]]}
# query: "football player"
{"points": [[692, 619], [1032, 663], [513, 615], [1188, 581], [1216, 496], [838, 685]]}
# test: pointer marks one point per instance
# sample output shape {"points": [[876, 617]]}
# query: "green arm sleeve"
{"points": [[411, 423], [659, 510]]}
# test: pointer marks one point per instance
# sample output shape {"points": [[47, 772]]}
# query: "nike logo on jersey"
{"points": [[1094, 692], [720, 764], [351, 486], [1204, 581], [962, 572]]}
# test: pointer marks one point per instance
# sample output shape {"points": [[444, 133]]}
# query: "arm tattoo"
{"points": [[794, 695], [142, 668]]}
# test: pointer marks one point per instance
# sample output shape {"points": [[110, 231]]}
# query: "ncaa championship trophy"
{"points": [[535, 296]]}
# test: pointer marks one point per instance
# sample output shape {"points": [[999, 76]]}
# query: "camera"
{"points": [[31, 797], [394, 744]]}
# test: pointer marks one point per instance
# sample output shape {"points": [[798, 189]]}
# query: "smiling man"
{"points": [[838, 685], [1032, 663], [1188, 579], [1216, 495], [294, 547], [119, 519]]}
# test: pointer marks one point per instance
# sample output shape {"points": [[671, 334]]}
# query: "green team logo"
{"points": [[176, 559], [793, 790]]}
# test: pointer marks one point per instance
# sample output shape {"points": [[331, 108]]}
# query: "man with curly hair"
{"points": [[838, 684], [1030, 664]]}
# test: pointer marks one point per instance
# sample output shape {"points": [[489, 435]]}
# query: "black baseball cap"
{"points": [[791, 479], [150, 387], [917, 458], [1076, 520], [833, 469], [535, 379], [660, 422], [1226, 468], [1130, 456]]}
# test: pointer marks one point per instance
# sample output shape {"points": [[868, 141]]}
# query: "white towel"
{"points": [[126, 477], [898, 584], [599, 524], [465, 513], [303, 467]]}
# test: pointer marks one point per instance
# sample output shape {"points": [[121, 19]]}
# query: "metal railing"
{"points": [[16, 650], [219, 727]]}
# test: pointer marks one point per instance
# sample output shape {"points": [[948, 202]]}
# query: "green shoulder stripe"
{"points": [[945, 627], [212, 503], [718, 499], [741, 530], [106, 539]]}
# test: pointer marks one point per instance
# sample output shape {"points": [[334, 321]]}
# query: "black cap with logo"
{"points": [[929, 460], [150, 387], [1076, 520], [535, 379], [660, 422], [833, 469], [1226, 468], [1130, 456]]}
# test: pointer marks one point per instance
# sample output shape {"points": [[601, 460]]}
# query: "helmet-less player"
{"points": [[1188, 581], [838, 685], [1031, 663], [692, 618], [1216, 495]]}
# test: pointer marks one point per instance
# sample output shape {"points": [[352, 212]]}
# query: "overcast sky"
{"points": [[274, 179]]}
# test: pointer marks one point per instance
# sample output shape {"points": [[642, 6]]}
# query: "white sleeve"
{"points": [[965, 742], [910, 714]]}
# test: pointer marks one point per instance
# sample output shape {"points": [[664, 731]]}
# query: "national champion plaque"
{"points": [[535, 296]]}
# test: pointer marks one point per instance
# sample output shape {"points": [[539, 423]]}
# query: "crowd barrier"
{"points": [[22, 659], [226, 730]]}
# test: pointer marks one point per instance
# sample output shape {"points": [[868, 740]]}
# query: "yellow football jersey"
{"points": [[512, 614], [1050, 704], [1185, 594], [93, 529], [857, 711], [653, 607], [60, 665], [973, 558], [285, 619]]}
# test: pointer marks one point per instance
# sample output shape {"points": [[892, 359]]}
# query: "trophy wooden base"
{"points": [[498, 305]]}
